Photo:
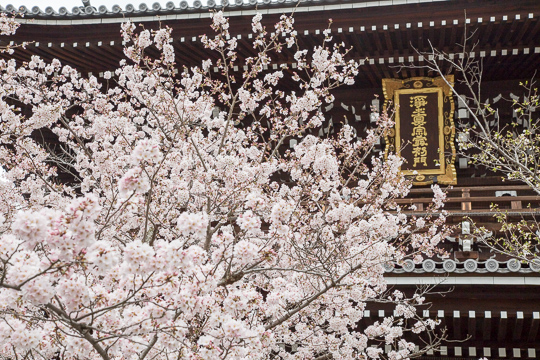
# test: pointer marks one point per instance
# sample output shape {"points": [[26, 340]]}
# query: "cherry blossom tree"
{"points": [[168, 219]]}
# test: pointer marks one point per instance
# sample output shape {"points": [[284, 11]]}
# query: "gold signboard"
{"points": [[424, 128]]}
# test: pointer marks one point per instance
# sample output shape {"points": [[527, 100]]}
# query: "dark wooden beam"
{"points": [[366, 45], [388, 41], [533, 34], [474, 33], [442, 38], [484, 39], [518, 326], [457, 324], [508, 35], [532, 65], [67, 54], [182, 57], [501, 29], [514, 65], [519, 37], [191, 52], [486, 327], [410, 42], [533, 330], [420, 38], [385, 70], [366, 70], [399, 34], [431, 36], [356, 44], [248, 46], [466, 205], [105, 59], [453, 38], [374, 70], [494, 63], [472, 325], [112, 53], [377, 40], [503, 324]]}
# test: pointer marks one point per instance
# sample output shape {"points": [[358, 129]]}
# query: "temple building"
{"points": [[493, 308]]}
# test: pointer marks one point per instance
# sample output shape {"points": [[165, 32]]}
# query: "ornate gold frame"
{"points": [[446, 174]]}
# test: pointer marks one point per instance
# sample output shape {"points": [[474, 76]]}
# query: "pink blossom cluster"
{"points": [[134, 181], [171, 221], [8, 25]]}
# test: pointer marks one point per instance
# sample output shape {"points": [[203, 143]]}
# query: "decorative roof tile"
{"points": [[145, 9], [468, 266]]}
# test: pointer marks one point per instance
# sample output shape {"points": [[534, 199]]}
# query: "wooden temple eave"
{"points": [[481, 333], [508, 35], [492, 316]]}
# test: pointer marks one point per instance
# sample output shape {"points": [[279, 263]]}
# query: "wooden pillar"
{"points": [[516, 204], [466, 205]]}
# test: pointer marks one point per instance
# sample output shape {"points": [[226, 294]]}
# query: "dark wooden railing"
{"points": [[475, 200]]}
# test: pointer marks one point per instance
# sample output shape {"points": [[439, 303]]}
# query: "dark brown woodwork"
{"points": [[516, 204], [472, 325], [499, 32], [518, 326], [457, 324], [466, 205], [502, 327], [366, 44], [355, 44], [464, 255], [474, 32], [484, 39], [442, 31], [524, 28], [378, 43], [533, 330], [376, 38], [370, 71], [466, 201], [388, 42], [480, 315], [532, 65], [486, 326], [398, 36], [453, 38], [510, 32], [533, 34]]}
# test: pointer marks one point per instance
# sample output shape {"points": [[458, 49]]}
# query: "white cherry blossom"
{"points": [[171, 221]]}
